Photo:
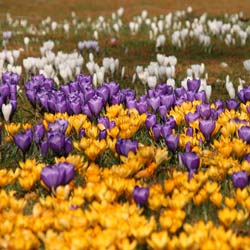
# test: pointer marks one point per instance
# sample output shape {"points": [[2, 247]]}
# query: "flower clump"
{"points": [[103, 169]]}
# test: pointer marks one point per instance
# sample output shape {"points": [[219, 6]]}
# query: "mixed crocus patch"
{"points": [[107, 168], [89, 162]]}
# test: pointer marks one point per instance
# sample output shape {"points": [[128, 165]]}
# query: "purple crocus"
{"points": [[151, 120], [172, 142], [240, 179], [232, 104], [39, 132], [189, 131], [23, 140], [124, 146], [204, 110], [95, 105], [190, 160], [244, 133], [207, 127], [102, 134], [140, 195], [193, 85], [190, 117], [154, 102], [58, 174], [141, 106], [156, 131], [168, 101]]}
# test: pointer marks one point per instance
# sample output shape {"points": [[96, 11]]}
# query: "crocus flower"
{"points": [[190, 160], [193, 85], [156, 131], [204, 110], [150, 121], [232, 104], [207, 127], [44, 147], [7, 110], [244, 133], [39, 132], [51, 177], [60, 125], [172, 142], [102, 134], [123, 146], [141, 195], [168, 101], [240, 179], [190, 117], [58, 174], [23, 140], [189, 131], [95, 105], [141, 106], [154, 102], [166, 130]]}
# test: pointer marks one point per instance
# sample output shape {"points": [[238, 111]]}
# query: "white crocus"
{"points": [[6, 110], [246, 64], [152, 81]]}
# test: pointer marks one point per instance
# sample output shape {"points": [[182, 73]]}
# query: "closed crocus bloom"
{"points": [[86, 111], [103, 92], [154, 102], [201, 95], [44, 147], [7, 111], [131, 103], [156, 131], [232, 104], [141, 195], [240, 179], [207, 127], [56, 142], [163, 111], [241, 95], [204, 110], [39, 131], [166, 130], [170, 121], [52, 177], [190, 160], [4, 90], [150, 121], [168, 101], [95, 105], [123, 146], [179, 92], [23, 140], [67, 146], [89, 93], [102, 134], [193, 85], [141, 106], [244, 133], [172, 142], [113, 88], [68, 172], [190, 96]]}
